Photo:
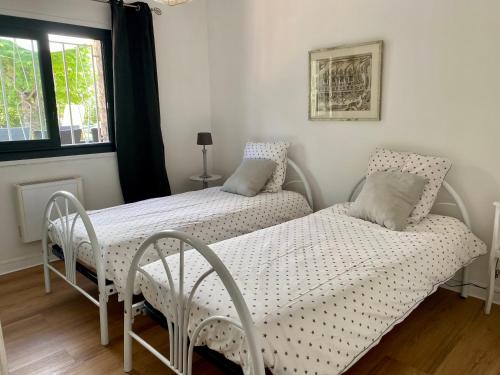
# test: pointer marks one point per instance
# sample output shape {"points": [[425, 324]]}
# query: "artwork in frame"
{"points": [[345, 82]]}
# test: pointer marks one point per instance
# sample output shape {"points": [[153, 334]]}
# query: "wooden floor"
{"points": [[58, 334]]}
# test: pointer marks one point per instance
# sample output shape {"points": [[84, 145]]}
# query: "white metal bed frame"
{"points": [[494, 257], [178, 345], [457, 202], [60, 205], [301, 179], [181, 349]]}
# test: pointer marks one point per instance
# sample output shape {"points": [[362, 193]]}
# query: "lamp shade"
{"points": [[204, 139]]}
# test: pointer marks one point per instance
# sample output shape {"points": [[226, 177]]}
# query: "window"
{"points": [[55, 89]]}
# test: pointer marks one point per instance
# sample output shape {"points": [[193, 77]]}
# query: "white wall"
{"points": [[440, 89], [101, 189], [182, 59]]}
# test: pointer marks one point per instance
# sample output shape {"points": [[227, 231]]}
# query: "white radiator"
{"points": [[32, 198]]}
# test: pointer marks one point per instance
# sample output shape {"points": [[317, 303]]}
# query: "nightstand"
{"points": [[206, 180], [3, 357], [494, 258]]}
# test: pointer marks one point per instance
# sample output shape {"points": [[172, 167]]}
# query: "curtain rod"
{"points": [[156, 10]]}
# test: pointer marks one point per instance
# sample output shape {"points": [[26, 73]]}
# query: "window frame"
{"points": [[38, 30]]}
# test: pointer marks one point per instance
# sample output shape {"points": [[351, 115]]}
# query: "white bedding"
{"points": [[322, 289], [211, 215]]}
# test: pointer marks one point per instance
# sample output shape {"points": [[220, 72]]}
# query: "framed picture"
{"points": [[345, 82]]}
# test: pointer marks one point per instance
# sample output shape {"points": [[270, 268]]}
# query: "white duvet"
{"points": [[322, 289], [211, 214]]}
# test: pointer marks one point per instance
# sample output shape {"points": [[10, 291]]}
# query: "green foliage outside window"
{"points": [[20, 92], [18, 88], [80, 80]]}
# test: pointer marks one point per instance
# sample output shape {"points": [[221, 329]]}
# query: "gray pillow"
{"points": [[250, 177], [388, 198]]}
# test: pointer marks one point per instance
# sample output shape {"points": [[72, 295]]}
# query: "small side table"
{"points": [[3, 357], [494, 257], [206, 180]]}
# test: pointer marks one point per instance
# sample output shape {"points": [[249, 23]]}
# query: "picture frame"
{"points": [[345, 82]]}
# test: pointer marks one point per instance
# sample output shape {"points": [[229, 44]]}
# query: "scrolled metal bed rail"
{"points": [[62, 213], [181, 346], [301, 179], [457, 202]]}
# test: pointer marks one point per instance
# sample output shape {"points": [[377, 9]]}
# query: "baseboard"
{"points": [[21, 263]]}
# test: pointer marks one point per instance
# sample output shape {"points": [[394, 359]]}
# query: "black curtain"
{"points": [[139, 144]]}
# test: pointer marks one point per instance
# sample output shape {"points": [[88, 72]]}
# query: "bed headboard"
{"points": [[298, 177], [456, 200]]}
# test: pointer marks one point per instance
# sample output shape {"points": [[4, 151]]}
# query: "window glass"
{"points": [[22, 115], [77, 66]]}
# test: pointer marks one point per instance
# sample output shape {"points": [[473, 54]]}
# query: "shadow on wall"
{"points": [[479, 189]]}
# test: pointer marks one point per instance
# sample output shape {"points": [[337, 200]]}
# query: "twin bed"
{"points": [[102, 243], [279, 288], [321, 290]]}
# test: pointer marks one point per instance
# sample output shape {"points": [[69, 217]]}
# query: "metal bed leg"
{"points": [[127, 340], [494, 256], [46, 273], [46, 270], [103, 318], [465, 281], [491, 287]]}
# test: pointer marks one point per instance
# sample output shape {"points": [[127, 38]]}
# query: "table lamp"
{"points": [[204, 139]]}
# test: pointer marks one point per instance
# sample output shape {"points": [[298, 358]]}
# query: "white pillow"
{"points": [[383, 160], [434, 169], [275, 151]]}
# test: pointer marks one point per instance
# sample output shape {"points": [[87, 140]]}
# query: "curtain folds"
{"points": [[139, 143]]}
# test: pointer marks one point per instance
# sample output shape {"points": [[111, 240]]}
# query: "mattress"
{"points": [[322, 289], [210, 215]]}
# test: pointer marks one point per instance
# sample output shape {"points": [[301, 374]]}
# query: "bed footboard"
{"points": [[62, 212], [181, 346]]}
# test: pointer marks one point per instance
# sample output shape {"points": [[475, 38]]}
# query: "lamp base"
{"points": [[205, 172]]}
